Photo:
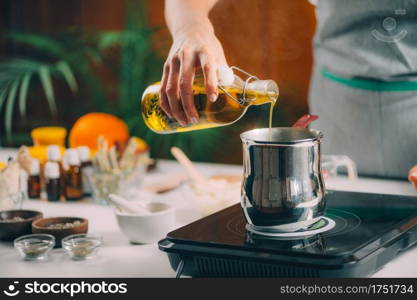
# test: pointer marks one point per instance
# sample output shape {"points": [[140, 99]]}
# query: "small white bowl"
{"points": [[149, 228]]}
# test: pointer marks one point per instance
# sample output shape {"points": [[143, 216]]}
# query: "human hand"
{"points": [[194, 47]]}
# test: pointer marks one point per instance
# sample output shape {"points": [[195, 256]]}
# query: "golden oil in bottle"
{"points": [[230, 106]]}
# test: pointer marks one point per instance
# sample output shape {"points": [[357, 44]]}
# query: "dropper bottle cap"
{"points": [[84, 153], [34, 167], [54, 153], [51, 170], [72, 158]]}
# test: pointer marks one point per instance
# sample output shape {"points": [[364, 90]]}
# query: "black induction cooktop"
{"points": [[371, 229]]}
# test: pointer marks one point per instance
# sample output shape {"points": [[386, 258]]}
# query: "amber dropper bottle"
{"points": [[86, 168], [52, 181], [54, 155], [73, 189], [34, 180]]}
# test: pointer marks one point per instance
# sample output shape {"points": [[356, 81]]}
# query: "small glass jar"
{"points": [[121, 183], [34, 246], [103, 184], [12, 201], [332, 165], [51, 135], [13, 187]]}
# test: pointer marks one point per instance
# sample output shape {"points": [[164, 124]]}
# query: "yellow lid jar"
{"points": [[44, 136]]}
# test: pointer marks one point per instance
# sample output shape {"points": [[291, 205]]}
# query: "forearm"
{"points": [[180, 14], [194, 46]]}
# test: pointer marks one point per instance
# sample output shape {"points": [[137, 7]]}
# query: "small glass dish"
{"points": [[34, 246], [82, 246]]}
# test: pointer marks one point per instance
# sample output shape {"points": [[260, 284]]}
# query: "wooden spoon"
{"points": [[187, 164]]}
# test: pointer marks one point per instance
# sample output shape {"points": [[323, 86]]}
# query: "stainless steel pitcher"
{"points": [[283, 188]]}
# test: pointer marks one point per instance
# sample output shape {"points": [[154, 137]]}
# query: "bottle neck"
{"points": [[253, 92], [262, 91]]}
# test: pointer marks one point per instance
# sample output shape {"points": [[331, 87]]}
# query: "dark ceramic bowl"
{"points": [[11, 229], [43, 226]]}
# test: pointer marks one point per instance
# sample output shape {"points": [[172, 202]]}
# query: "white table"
{"points": [[119, 258]]}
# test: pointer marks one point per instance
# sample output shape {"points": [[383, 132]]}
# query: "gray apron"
{"points": [[364, 85]]}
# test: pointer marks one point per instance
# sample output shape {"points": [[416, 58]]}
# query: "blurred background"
{"points": [[61, 59]]}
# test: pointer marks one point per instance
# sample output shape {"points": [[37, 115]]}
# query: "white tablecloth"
{"points": [[119, 258]]}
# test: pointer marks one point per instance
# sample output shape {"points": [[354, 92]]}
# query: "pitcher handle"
{"points": [[341, 161]]}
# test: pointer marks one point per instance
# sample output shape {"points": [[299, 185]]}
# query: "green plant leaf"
{"points": [[67, 73], [45, 76], [42, 42], [9, 108], [109, 39], [94, 55], [23, 91]]}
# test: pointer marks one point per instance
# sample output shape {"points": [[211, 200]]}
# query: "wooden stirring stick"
{"points": [[167, 185], [187, 164]]}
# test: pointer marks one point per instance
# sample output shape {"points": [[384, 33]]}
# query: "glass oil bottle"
{"points": [[232, 103]]}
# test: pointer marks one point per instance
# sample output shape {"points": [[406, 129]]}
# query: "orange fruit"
{"points": [[90, 127], [142, 145]]}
